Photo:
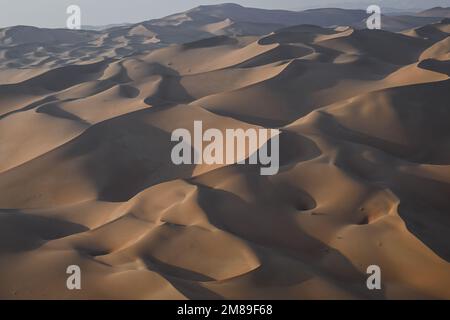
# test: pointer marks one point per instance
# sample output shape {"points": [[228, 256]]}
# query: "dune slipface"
{"points": [[86, 176]]}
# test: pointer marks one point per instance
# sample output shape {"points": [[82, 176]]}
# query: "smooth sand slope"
{"points": [[86, 176]]}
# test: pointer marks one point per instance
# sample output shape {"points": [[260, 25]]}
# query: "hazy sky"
{"points": [[52, 13]]}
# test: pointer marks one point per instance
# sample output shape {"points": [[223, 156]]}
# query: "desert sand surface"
{"points": [[86, 177]]}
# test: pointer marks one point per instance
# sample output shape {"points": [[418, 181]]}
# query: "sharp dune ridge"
{"points": [[86, 177]]}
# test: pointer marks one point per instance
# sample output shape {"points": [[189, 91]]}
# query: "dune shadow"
{"points": [[54, 110], [23, 232], [187, 282], [426, 212], [170, 90]]}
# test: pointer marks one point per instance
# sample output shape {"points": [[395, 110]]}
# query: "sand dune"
{"points": [[86, 176], [436, 12], [22, 46]]}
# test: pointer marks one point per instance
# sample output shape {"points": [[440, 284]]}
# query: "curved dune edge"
{"points": [[86, 176]]}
